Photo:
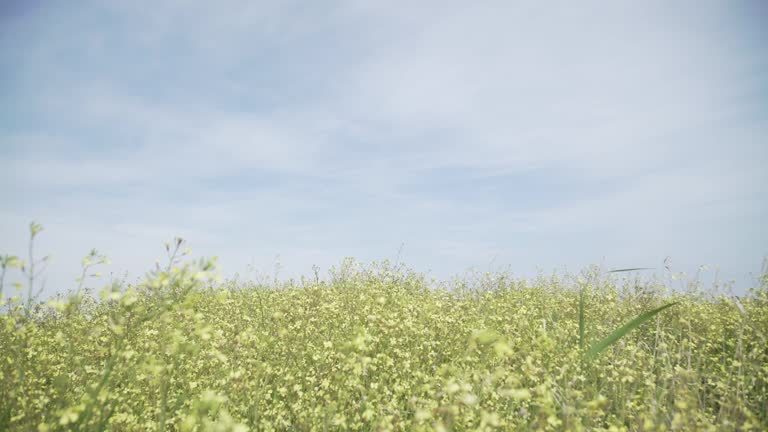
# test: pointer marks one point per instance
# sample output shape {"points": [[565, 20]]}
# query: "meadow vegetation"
{"points": [[379, 347]]}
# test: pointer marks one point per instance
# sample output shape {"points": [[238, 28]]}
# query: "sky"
{"points": [[524, 136]]}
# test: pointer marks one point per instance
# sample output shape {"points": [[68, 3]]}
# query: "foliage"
{"points": [[379, 347], [623, 330]]}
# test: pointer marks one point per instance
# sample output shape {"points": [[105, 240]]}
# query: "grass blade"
{"points": [[620, 332], [629, 269]]}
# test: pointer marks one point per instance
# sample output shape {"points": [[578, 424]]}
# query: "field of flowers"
{"points": [[378, 347]]}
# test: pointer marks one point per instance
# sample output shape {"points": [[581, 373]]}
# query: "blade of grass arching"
{"points": [[629, 269], [581, 319], [620, 332]]}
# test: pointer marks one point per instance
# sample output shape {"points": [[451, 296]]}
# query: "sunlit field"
{"points": [[380, 347]]}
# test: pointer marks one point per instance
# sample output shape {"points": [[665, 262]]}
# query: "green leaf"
{"points": [[10, 261], [35, 228], [620, 332]]}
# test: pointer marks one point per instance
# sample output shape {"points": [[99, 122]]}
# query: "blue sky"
{"points": [[487, 135]]}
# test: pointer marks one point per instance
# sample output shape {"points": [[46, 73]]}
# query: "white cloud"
{"points": [[344, 108]]}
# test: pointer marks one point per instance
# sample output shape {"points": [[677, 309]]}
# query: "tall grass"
{"points": [[620, 332], [377, 347], [623, 330]]}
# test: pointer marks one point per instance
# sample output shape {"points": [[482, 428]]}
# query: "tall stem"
{"points": [[2, 280], [31, 273]]}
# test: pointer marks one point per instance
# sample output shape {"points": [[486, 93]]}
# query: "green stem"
{"points": [[31, 270]]}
